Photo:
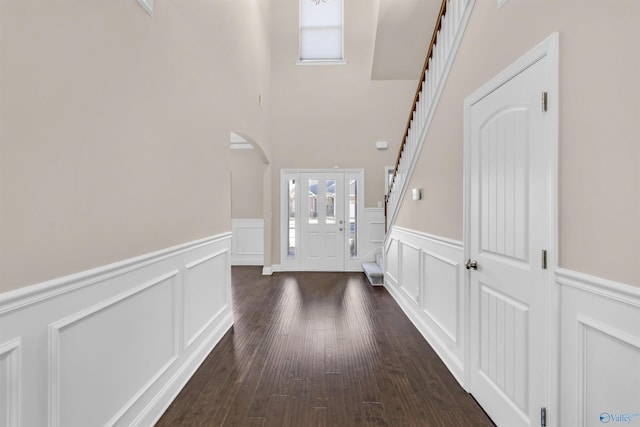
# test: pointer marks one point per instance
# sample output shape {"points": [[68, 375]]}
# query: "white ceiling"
{"points": [[403, 34]]}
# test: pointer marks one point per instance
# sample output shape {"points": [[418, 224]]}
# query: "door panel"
{"points": [[504, 326], [312, 245], [509, 222], [504, 185], [322, 227]]}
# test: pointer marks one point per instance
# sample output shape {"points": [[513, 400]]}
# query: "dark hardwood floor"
{"points": [[320, 349]]}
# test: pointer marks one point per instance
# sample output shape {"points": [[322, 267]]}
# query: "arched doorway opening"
{"points": [[248, 167]]}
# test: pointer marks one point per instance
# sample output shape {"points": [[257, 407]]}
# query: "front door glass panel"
{"points": [[313, 202], [330, 201]]}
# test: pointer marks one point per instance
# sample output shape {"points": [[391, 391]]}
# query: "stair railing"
{"points": [[450, 24]]}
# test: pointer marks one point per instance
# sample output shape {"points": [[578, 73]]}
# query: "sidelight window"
{"points": [[291, 219], [353, 218]]}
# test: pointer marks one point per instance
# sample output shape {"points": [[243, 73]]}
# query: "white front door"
{"points": [[508, 228], [322, 221]]}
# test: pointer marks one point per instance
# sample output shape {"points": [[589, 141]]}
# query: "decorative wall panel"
{"points": [[107, 346]]}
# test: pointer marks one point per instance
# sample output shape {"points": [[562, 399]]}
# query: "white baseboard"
{"points": [[247, 260], [114, 345], [268, 271]]}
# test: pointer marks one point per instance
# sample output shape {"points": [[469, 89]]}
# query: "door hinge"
{"points": [[543, 417], [544, 102], [543, 259]]}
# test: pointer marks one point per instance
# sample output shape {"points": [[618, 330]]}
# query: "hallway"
{"points": [[316, 349]]}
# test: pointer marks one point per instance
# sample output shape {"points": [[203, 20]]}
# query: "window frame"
{"points": [[328, 61]]}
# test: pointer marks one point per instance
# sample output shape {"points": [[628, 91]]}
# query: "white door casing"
{"points": [[510, 179]]}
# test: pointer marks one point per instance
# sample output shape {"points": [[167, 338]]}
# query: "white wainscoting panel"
{"points": [[439, 296], [424, 274], [392, 261], [10, 383], [128, 352], [247, 243], [114, 345], [409, 266], [599, 351], [204, 299], [375, 222]]}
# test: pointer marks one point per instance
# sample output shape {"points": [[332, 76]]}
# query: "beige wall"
{"points": [[115, 127], [247, 35], [599, 177], [247, 171], [327, 116], [115, 124]]}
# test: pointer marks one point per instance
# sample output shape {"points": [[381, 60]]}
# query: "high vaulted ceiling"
{"points": [[403, 34]]}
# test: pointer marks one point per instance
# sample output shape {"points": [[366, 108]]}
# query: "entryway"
{"points": [[320, 217]]}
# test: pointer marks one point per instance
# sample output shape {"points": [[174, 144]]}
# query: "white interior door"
{"points": [[322, 221], [508, 167]]}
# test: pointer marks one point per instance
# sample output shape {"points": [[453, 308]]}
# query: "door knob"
{"points": [[471, 264]]}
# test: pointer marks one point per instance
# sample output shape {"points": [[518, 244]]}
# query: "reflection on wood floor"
{"points": [[320, 349]]}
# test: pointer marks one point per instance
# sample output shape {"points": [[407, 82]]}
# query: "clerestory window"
{"points": [[321, 31]]}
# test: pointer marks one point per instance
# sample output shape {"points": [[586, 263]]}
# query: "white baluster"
{"points": [[412, 147], [457, 11], [442, 41], [425, 95], [417, 111], [440, 47], [423, 105], [449, 35], [432, 77]]}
